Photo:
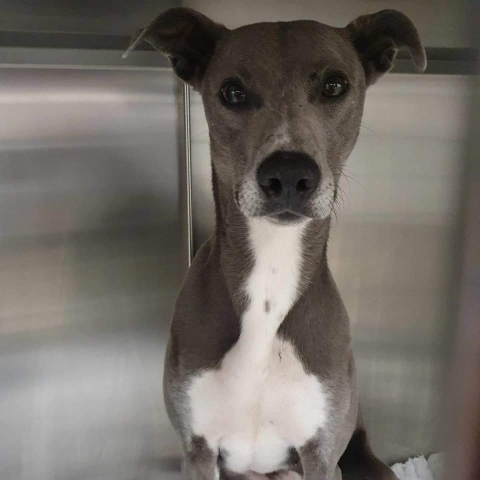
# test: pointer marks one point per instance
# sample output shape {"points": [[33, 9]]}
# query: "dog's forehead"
{"points": [[278, 49]]}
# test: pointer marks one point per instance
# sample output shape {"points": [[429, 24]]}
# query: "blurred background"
{"points": [[100, 212]]}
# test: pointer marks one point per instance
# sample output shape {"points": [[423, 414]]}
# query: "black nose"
{"points": [[288, 178]]}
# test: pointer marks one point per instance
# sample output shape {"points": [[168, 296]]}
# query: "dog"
{"points": [[259, 377]]}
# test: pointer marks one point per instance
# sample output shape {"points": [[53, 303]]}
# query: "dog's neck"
{"points": [[233, 249]]}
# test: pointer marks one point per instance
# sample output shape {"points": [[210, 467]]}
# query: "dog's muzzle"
{"points": [[287, 181]]}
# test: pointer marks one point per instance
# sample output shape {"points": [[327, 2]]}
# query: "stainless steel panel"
{"points": [[90, 263], [391, 250]]}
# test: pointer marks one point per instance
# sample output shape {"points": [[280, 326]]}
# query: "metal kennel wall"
{"points": [[105, 196]]}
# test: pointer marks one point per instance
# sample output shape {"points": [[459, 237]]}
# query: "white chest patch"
{"points": [[261, 402]]}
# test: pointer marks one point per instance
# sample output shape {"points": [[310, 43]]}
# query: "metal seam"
{"points": [[188, 171]]}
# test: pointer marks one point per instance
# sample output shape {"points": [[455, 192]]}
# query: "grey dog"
{"points": [[259, 375]]}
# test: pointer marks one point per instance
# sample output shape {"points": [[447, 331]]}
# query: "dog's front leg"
{"points": [[317, 464], [199, 460]]}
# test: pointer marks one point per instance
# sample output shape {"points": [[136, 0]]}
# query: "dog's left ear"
{"points": [[377, 39], [186, 37]]}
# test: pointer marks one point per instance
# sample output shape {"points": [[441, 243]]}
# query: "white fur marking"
{"points": [[261, 401]]}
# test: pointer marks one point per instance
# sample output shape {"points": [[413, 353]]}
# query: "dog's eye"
{"points": [[335, 85], [233, 93]]}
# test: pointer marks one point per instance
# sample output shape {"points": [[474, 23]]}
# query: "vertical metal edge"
{"points": [[464, 373], [188, 171], [184, 175]]}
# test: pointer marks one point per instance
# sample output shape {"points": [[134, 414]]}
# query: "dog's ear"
{"points": [[186, 37], [377, 39]]}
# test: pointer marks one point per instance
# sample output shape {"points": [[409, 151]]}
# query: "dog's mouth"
{"points": [[253, 203], [286, 217]]}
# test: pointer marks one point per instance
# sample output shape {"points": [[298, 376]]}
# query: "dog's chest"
{"points": [[261, 402]]}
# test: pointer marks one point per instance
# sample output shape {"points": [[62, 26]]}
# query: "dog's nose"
{"points": [[288, 178]]}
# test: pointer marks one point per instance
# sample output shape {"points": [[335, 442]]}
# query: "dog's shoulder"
{"points": [[205, 323]]}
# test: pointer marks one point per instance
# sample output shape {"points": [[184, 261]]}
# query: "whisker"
{"points": [[201, 133], [348, 177], [369, 129]]}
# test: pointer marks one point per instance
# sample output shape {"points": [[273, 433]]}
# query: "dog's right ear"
{"points": [[186, 37]]}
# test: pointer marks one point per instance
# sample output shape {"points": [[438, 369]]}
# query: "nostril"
{"points": [[288, 178], [304, 185], [272, 187]]}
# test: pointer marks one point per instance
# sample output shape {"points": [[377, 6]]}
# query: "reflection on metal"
{"points": [[90, 265], [391, 250]]}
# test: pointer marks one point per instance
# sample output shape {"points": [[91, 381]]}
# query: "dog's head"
{"points": [[283, 100]]}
